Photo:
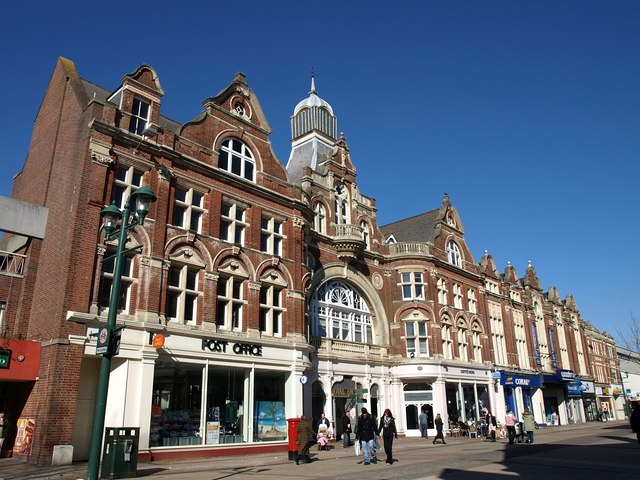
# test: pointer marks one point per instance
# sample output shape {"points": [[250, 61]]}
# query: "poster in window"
{"points": [[270, 421], [24, 436]]}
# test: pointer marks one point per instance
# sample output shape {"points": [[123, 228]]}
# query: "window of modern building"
{"points": [[232, 223], [447, 341], [271, 236], [127, 181], [339, 312], [319, 218], [442, 291], [412, 286], [415, 333], [188, 209], [453, 253], [231, 303], [463, 343], [457, 295], [236, 158], [473, 302], [106, 283], [271, 310], [139, 116], [182, 293]]}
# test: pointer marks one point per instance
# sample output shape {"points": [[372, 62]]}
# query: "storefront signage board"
{"points": [[519, 381], [223, 346]]}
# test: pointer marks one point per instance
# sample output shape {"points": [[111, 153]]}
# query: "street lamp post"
{"points": [[142, 197]]}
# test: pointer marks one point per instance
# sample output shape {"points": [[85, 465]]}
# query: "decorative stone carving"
{"points": [[164, 172], [376, 280], [100, 158]]}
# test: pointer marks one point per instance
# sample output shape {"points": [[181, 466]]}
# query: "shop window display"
{"points": [[270, 421], [179, 418], [176, 405]]}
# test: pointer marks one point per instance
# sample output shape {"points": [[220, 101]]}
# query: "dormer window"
{"points": [[236, 158], [139, 116], [453, 253]]}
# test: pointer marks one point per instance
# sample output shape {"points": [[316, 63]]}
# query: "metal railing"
{"points": [[12, 263]]}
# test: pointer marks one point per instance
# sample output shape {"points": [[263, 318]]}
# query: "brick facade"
{"points": [[82, 144]]}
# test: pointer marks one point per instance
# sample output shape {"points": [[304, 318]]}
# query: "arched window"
{"points": [[319, 218], [236, 158], [453, 252], [365, 234], [463, 351], [339, 312], [342, 204], [476, 341], [447, 341], [183, 290]]}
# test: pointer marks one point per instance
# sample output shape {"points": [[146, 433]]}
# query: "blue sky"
{"points": [[527, 113]]}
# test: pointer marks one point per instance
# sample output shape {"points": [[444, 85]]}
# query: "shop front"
{"points": [[205, 394], [467, 393], [556, 409], [574, 406], [519, 391], [589, 401], [19, 366]]}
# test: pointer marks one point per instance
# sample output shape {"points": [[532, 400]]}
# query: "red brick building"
{"points": [[258, 277]]}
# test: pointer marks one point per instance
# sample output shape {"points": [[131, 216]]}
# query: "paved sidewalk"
{"points": [[404, 449]]}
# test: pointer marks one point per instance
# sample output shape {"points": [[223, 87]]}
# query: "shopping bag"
{"points": [[356, 448]]}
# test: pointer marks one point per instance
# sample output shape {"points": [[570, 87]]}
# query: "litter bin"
{"points": [[120, 453], [292, 431]]}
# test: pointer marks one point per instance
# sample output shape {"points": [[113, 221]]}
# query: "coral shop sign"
{"points": [[222, 346]]}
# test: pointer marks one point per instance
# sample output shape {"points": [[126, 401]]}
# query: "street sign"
{"points": [[102, 346]]}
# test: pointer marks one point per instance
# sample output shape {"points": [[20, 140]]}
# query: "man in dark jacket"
{"points": [[366, 434]]}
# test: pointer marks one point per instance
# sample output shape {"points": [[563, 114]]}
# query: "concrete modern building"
{"points": [[253, 292]]}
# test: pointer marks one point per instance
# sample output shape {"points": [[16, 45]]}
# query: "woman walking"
{"points": [[388, 428], [439, 433], [529, 424], [305, 434]]}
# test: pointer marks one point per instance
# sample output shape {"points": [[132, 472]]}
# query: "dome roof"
{"points": [[312, 100]]}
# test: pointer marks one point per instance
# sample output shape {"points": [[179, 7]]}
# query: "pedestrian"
{"points": [[634, 419], [492, 426], [439, 433], [424, 423], [306, 435], [346, 430], [323, 422], [388, 428], [510, 422], [366, 434], [529, 424]]}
